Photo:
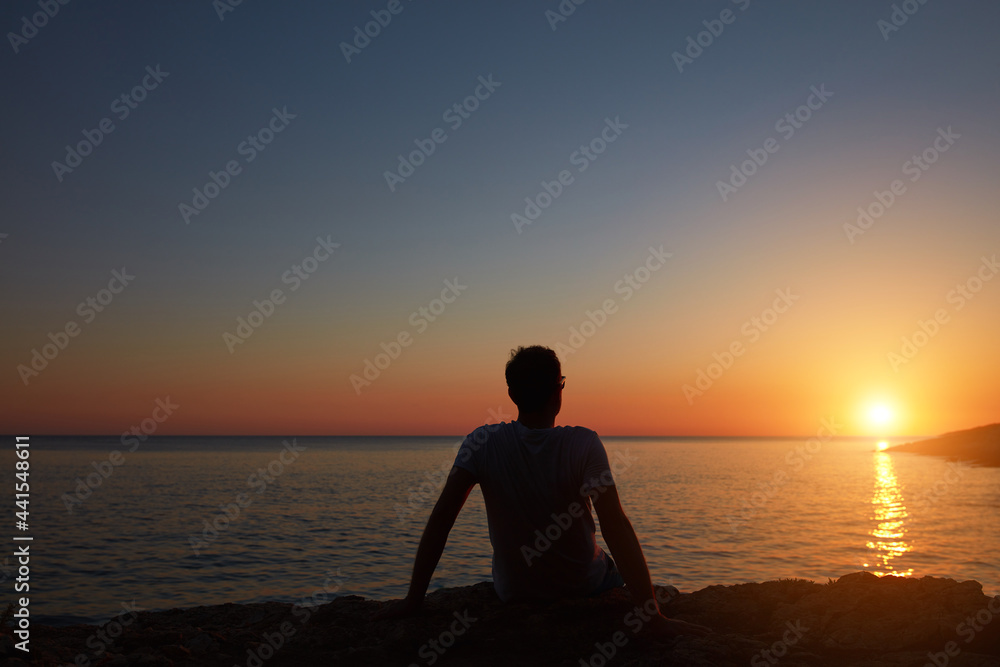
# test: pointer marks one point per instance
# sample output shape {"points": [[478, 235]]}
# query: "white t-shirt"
{"points": [[535, 483]]}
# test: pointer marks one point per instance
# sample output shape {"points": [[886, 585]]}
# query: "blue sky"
{"points": [[324, 175]]}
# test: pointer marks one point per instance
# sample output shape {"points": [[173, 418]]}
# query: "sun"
{"points": [[880, 414]]}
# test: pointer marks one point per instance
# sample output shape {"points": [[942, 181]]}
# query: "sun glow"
{"points": [[880, 414]]}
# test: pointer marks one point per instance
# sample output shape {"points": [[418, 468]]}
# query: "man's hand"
{"points": [[453, 496], [671, 627], [397, 609]]}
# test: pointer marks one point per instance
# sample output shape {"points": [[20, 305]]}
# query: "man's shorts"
{"points": [[613, 579]]}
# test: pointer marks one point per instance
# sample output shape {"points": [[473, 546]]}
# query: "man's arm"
{"points": [[625, 549], [453, 496]]}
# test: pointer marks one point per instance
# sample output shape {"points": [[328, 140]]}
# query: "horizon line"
{"points": [[422, 435]]}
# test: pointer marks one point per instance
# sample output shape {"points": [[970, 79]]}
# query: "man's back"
{"points": [[534, 482], [538, 480]]}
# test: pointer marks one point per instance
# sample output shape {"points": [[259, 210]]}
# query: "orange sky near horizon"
{"points": [[775, 388]]}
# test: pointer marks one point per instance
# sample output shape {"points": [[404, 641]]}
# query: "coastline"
{"points": [[859, 619], [979, 446]]}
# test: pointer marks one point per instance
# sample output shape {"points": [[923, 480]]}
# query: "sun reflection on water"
{"points": [[888, 535]]}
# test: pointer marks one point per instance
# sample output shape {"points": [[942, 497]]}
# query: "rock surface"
{"points": [[859, 619]]}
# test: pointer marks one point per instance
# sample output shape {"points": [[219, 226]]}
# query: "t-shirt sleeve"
{"points": [[467, 458], [596, 468]]}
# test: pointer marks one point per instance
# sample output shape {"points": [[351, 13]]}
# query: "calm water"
{"points": [[707, 511]]}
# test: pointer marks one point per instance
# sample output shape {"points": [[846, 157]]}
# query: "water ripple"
{"points": [[695, 504]]}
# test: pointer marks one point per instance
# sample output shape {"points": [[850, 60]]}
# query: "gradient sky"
{"points": [[828, 355]]}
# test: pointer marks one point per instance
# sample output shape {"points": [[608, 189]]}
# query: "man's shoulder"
{"points": [[578, 433], [566, 433], [484, 432]]}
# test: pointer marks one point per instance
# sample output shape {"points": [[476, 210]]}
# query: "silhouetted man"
{"points": [[538, 482]]}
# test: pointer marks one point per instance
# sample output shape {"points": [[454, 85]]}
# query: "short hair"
{"points": [[532, 373]]}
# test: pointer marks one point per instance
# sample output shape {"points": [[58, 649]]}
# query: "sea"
{"points": [[189, 521]]}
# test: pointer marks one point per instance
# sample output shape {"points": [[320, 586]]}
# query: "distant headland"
{"points": [[980, 445]]}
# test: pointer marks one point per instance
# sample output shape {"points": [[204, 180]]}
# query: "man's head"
{"points": [[534, 379]]}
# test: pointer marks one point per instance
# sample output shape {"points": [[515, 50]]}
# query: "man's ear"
{"points": [[511, 395], [555, 401]]}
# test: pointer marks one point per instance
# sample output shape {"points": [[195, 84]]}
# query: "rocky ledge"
{"points": [[859, 619]]}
